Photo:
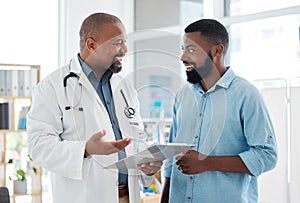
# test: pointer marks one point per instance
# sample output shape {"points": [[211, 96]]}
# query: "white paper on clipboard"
{"points": [[155, 152]]}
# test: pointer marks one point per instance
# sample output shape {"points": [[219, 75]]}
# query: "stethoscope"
{"points": [[76, 107], [128, 111]]}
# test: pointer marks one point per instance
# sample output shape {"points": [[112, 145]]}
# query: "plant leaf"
{"points": [[29, 157], [34, 170], [21, 174], [10, 161]]}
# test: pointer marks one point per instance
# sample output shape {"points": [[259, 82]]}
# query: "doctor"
{"points": [[78, 116]]}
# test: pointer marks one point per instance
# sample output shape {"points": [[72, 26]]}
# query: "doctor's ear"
{"points": [[90, 44]]}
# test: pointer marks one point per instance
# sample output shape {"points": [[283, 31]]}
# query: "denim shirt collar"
{"points": [[223, 82], [91, 75]]}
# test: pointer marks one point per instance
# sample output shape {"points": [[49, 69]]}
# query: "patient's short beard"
{"points": [[198, 74], [193, 76]]}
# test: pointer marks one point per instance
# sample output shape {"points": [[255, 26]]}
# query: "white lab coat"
{"points": [[57, 137]]}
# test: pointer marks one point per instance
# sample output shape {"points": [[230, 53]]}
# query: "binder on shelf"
{"points": [[4, 116], [2, 147], [8, 83], [27, 83], [2, 82], [34, 78], [14, 83], [21, 83]]}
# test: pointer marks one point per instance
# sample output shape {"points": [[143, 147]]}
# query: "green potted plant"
{"points": [[19, 178]]}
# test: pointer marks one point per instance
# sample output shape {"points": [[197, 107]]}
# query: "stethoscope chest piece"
{"points": [[129, 112]]}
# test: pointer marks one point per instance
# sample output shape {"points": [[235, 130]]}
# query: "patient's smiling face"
{"points": [[196, 57]]}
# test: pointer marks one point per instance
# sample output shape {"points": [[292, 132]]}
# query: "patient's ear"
{"points": [[218, 50]]}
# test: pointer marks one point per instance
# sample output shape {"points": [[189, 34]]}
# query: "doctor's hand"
{"points": [[95, 145], [192, 162], [150, 168]]}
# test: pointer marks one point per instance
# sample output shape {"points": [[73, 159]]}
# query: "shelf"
{"points": [[13, 131], [16, 93], [21, 195], [15, 97]]}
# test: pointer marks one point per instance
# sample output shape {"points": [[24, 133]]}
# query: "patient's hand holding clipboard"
{"points": [[155, 152]]}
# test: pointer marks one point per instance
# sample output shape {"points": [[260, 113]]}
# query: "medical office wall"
{"points": [[29, 33]]}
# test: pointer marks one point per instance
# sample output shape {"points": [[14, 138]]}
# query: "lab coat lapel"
{"points": [[76, 68], [95, 106]]}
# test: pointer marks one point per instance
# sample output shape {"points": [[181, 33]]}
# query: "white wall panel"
{"points": [[73, 12], [273, 185], [295, 148]]}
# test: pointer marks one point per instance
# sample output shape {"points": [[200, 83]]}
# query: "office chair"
{"points": [[4, 195]]}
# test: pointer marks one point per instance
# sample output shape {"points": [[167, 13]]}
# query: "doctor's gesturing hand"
{"points": [[95, 145]]}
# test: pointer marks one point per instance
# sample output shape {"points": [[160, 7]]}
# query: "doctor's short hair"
{"points": [[212, 30], [91, 26]]}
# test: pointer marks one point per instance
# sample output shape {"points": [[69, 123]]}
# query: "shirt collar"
{"points": [[224, 81], [91, 75], [85, 67]]}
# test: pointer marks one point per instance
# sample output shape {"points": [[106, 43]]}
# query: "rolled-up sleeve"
{"points": [[260, 136]]}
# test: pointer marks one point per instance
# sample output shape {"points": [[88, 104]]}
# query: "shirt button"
{"points": [[200, 114], [204, 96], [108, 103], [270, 136], [191, 178], [196, 136], [189, 198]]}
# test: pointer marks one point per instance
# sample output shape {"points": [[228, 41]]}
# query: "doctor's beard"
{"points": [[199, 73], [116, 66]]}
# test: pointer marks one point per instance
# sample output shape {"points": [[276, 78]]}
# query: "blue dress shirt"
{"points": [[103, 89], [229, 119]]}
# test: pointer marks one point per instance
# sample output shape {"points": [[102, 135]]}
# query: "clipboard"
{"points": [[155, 152]]}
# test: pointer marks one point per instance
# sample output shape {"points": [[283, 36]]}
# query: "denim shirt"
{"points": [[229, 119]]}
